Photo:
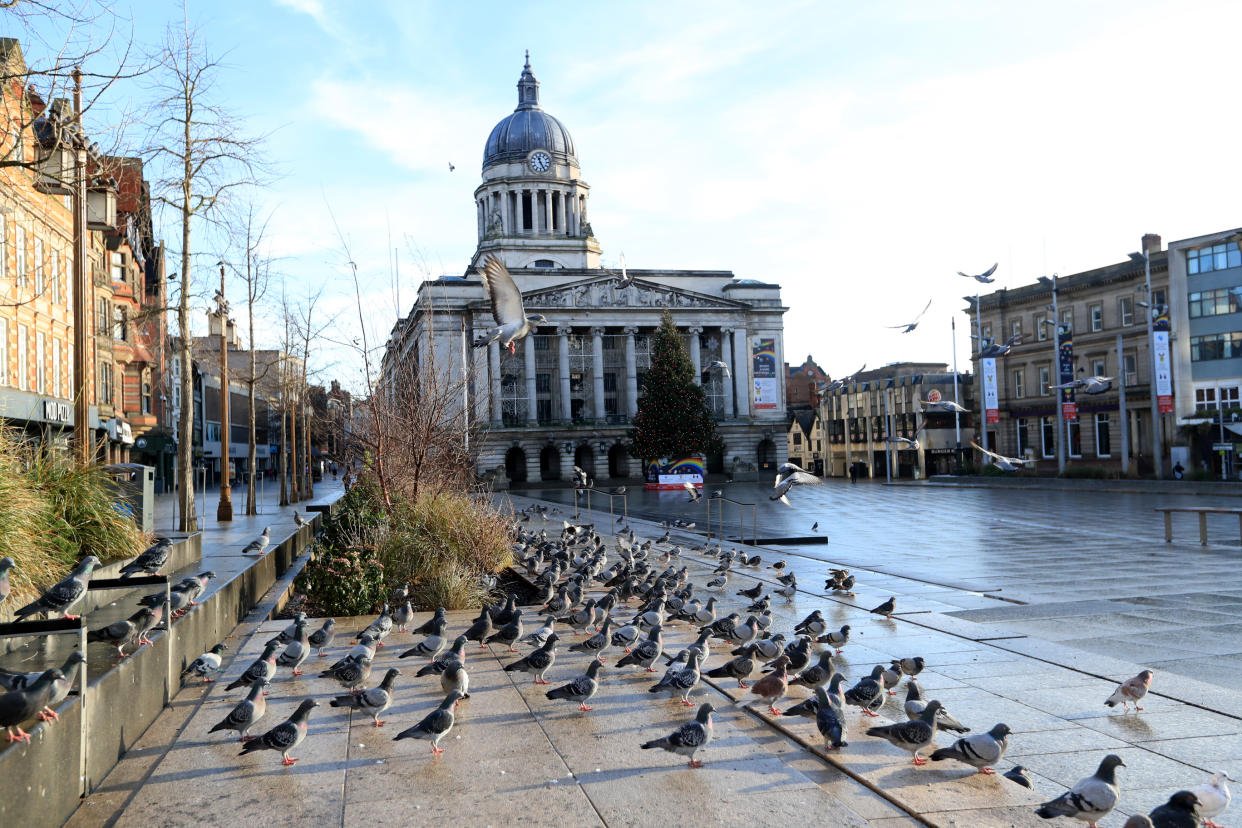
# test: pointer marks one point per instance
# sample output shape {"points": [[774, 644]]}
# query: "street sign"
{"points": [[1222, 446]]}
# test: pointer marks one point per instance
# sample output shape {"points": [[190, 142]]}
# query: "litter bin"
{"points": [[135, 484]]}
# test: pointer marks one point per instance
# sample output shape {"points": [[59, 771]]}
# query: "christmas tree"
{"points": [[673, 420]]}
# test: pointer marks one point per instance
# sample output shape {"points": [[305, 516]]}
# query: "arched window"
{"points": [[544, 263]]}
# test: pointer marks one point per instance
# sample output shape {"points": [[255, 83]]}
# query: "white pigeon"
{"points": [[985, 276], [512, 323], [944, 406], [910, 326], [1088, 385], [1213, 798], [721, 365], [1001, 462], [788, 476], [693, 491], [259, 545], [625, 279]]}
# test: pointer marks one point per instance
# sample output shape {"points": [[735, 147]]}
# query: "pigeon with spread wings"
{"points": [[1002, 462], [788, 476], [512, 323], [985, 276], [910, 326]]}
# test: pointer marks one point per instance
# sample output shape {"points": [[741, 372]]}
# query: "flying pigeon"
{"points": [[944, 407], [62, 595], [1018, 775], [910, 326], [322, 638], [248, 711], [886, 609], [262, 668], [285, 736], [788, 476], [1088, 385], [1002, 462], [580, 689], [538, 662], [16, 706], [512, 323], [206, 664], [258, 546], [830, 719], [1213, 798], [1091, 799], [6, 564], [435, 726], [624, 280], [981, 750], [985, 276], [720, 363], [693, 491], [1178, 812], [914, 736], [995, 349], [915, 706], [373, 702], [1131, 690], [689, 738], [149, 562]]}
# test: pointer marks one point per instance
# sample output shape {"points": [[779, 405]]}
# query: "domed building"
{"points": [[568, 394]]}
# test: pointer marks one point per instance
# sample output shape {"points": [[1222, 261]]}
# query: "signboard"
{"points": [[1222, 447], [767, 386], [56, 412], [675, 474], [991, 402], [933, 396], [1065, 374], [1164, 371]]}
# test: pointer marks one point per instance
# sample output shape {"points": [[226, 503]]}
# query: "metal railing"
{"points": [[741, 510], [612, 515]]}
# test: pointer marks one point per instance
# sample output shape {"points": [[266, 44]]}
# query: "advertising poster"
{"points": [[766, 394], [674, 474], [1164, 371], [991, 400], [1065, 372]]}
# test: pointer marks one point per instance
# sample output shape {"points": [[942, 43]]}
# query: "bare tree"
{"points": [[202, 156], [308, 328]]}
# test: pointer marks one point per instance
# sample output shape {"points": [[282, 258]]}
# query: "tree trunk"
{"points": [[296, 494], [284, 447], [188, 520], [253, 454]]}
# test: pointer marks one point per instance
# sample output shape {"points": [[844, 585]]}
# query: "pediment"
{"points": [[603, 292]]}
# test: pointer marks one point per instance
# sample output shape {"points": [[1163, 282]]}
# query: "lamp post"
{"points": [[1062, 434], [81, 305], [1157, 448], [224, 511], [957, 411], [983, 394]]}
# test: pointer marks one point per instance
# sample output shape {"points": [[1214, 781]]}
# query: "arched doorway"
{"points": [[618, 462], [515, 465], [766, 455], [715, 462], [549, 463], [584, 458]]}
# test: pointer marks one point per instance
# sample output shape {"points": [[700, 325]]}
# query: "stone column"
{"points": [[532, 464], [597, 369], [528, 351], [562, 341], [631, 373], [741, 371], [519, 207], [726, 384], [695, 357], [481, 393], [567, 464], [564, 214], [547, 210], [493, 369]]}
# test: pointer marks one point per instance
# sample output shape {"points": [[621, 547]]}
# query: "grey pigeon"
{"points": [[646, 653], [285, 736], [886, 609], [738, 668], [17, 706], [402, 614], [298, 520], [580, 689], [985, 276], [429, 624], [538, 662], [836, 640], [289, 632], [911, 666], [128, 631], [1091, 799], [509, 633], [206, 664], [890, 677], [456, 655], [61, 597], [248, 711], [830, 720], [512, 322], [540, 636], [1018, 775], [817, 675], [596, 644], [913, 736], [150, 561], [915, 705], [261, 669], [1178, 812], [1140, 821], [626, 636], [981, 750], [788, 476], [813, 624], [372, 702], [321, 639], [10, 680], [456, 678], [868, 693], [258, 546], [352, 674], [435, 726], [6, 587], [296, 651], [379, 629], [481, 629], [689, 738], [432, 645], [365, 648], [680, 682]]}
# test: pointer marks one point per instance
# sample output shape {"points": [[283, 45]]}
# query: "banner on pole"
{"points": [[766, 393], [1163, 368], [1065, 373], [991, 399]]}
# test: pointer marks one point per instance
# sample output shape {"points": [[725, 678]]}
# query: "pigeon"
{"points": [[402, 614], [580, 689], [646, 653], [435, 726], [456, 678], [1018, 775], [680, 682], [1131, 690], [321, 639], [540, 636], [985, 277], [720, 364], [285, 736], [818, 675], [813, 624], [1213, 798], [206, 664], [291, 631], [1002, 462], [431, 646], [295, 651], [262, 668], [504, 614], [352, 673], [779, 566], [699, 646], [1088, 385], [129, 631], [149, 562], [815, 526], [365, 648], [830, 720], [944, 407], [1178, 812], [63, 595], [298, 520], [455, 655], [626, 636], [914, 736], [981, 750], [695, 496], [836, 640], [868, 693], [1091, 799], [258, 546], [17, 706], [772, 687], [6, 587], [374, 701], [430, 623], [60, 687], [538, 662], [910, 326], [788, 476], [911, 666], [379, 629], [737, 668], [248, 711], [689, 738], [512, 323], [915, 706], [480, 629], [1138, 821], [890, 678], [509, 633], [886, 609], [753, 592]]}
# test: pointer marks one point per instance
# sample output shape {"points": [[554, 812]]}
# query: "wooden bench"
{"points": [[1202, 512]]}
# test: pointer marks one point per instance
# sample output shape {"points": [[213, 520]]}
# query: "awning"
{"points": [[1235, 428]]}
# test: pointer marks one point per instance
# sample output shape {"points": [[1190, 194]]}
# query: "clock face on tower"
{"points": [[540, 161]]}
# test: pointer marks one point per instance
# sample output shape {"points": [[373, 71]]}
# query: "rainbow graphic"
{"points": [[674, 474], [688, 465]]}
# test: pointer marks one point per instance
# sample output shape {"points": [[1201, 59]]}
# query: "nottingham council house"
{"points": [[568, 395]]}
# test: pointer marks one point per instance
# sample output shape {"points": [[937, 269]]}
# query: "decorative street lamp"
{"points": [[224, 511]]}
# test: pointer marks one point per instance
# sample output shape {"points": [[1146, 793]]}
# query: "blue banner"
{"points": [[1069, 408]]}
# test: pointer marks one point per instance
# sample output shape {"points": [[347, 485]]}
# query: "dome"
{"points": [[529, 128]]}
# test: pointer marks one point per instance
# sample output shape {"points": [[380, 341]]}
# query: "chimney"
{"points": [[1151, 243]]}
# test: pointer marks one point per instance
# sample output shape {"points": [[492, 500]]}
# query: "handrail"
{"points": [[741, 536], [625, 503]]}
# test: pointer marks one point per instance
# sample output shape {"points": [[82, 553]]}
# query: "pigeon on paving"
{"points": [[689, 738], [886, 609], [753, 592], [435, 726], [290, 632], [432, 645], [540, 636], [402, 614], [1138, 821], [580, 689], [261, 669], [352, 673], [298, 520], [1018, 774], [911, 666], [6, 586], [481, 629], [1178, 812], [512, 321], [380, 628], [914, 736], [836, 640], [1131, 690], [538, 662], [915, 706], [680, 682], [891, 677], [1091, 799], [150, 561], [258, 546], [830, 720], [285, 736], [372, 702], [981, 750], [816, 675], [430, 623], [456, 678], [738, 668], [646, 653], [868, 693], [509, 633], [206, 664], [788, 476], [598, 643], [296, 650], [321, 639], [771, 688], [61, 597], [813, 624], [248, 711], [626, 636], [17, 706], [128, 631], [1213, 798], [365, 648]]}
